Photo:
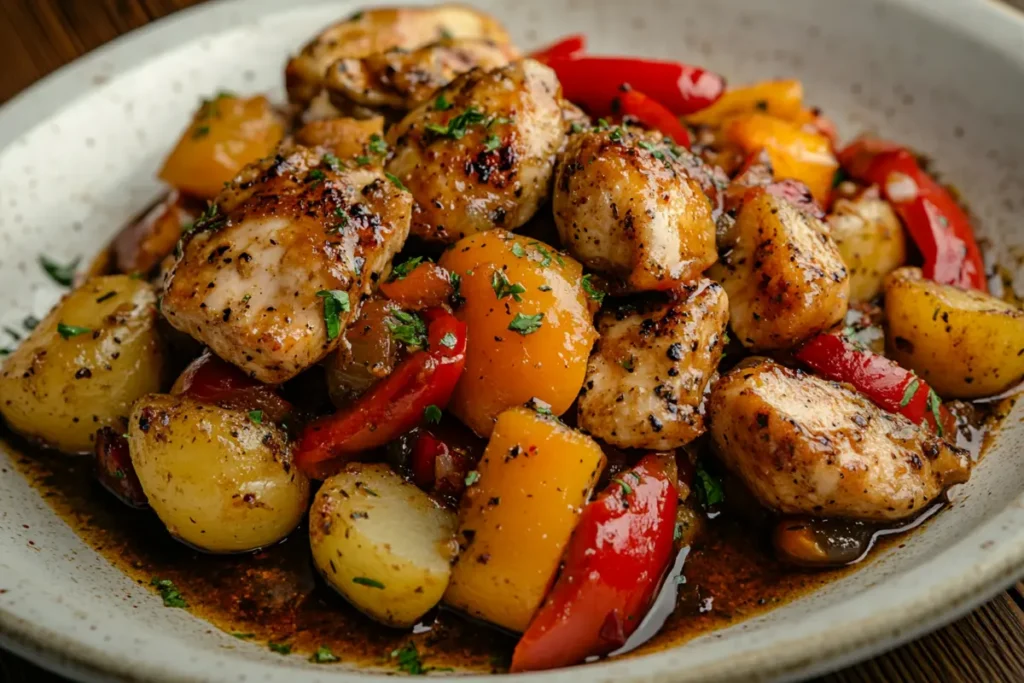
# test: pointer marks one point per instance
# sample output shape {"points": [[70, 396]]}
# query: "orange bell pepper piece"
{"points": [[783, 99]]}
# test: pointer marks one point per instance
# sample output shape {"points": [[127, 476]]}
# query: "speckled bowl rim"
{"points": [[988, 22]]}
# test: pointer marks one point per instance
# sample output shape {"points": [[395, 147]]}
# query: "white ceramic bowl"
{"points": [[79, 155]]}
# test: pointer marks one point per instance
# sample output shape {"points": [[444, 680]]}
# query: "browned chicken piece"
{"points": [[626, 206], [480, 155], [647, 378], [376, 30], [807, 446], [784, 275], [870, 239], [291, 226], [345, 137], [397, 80]]}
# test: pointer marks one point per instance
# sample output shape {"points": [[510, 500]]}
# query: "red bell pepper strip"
{"points": [[613, 566], [442, 455], [937, 224], [394, 405], [654, 115], [569, 46], [594, 83], [208, 379], [114, 468], [887, 384]]}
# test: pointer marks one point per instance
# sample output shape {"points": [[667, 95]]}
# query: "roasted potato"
{"points": [[226, 133], [964, 343], [382, 543], [784, 276], [220, 480], [530, 328], [517, 515], [140, 246], [870, 240], [84, 364]]}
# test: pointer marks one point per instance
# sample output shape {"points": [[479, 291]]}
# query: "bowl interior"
{"points": [[79, 157]]}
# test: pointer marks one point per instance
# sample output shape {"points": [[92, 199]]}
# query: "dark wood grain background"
{"points": [[38, 36]]}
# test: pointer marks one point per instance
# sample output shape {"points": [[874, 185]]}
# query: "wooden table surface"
{"points": [[38, 36]]}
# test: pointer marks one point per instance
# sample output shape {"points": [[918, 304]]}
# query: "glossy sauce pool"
{"points": [[274, 596]]}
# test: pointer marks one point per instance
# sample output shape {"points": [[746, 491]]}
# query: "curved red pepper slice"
{"points": [[613, 566], [569, 46], [594, 83], [208, 379], [394, 405], [653, 114], [937, 224], [887, 384]]}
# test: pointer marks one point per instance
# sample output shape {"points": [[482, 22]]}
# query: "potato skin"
{"points": [[61, 391], [964, 343], [870, 240], [505, 368], [515, 521], [219, 481], [382, 543], [226, 133]]}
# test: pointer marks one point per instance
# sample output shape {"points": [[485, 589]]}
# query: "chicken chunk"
{"points": [[481, 154], [647, 377], [807, 446], [376, 30], [870, 239], [625, 205], [248, 279], [398, 79], [785, 278], [345, 137]]}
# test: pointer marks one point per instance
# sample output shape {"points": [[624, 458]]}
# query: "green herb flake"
{"points": [[69, 331], [315, 177], [472, 477], [709, 489], [280, 648], [394, 180], [330, 161], [169, 592], [64, 274], [645, 145], [323, 655], [576, 127], [363, 160], [400, 271], [441, 103], [458, 125], [409, 660], [432, 414], [629, 364], [626, 488], [370, 583], [492, 143], [517, 250], [526, 324], [256, 417], [335, 302], [594, 293], [449, 340], [503, 288], [908, 393], [407, 328], [378, 145], [498, 121], [935, 406], [540, 407], [200, 132], [243, 636]]}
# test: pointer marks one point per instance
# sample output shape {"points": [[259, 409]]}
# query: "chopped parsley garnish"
{"points": [[409, 660], [709, 488], [503, 288], [935, 406], [169, 592], [441, 103], [256, 417], [576, 127], [63, 275], [432, 414], [400, 271], [492, 143], [498, 121], [363, 160], [342, 219], [517, 250], [335, 302], [526, 324], [408, 328], [458, 125], [394, 180], [908, 393], [378, 145], [617, 134], [315, 177], [323, 655], [371, 583], [69, 331], [646, 145], [280, 648], [626, 488], [594, 293], [449, 340], [629, 364], [456, 281], [332, 162], [200, 132], [602, 124], [540, 407], [546, 255], [243, 636], [472, 478]]}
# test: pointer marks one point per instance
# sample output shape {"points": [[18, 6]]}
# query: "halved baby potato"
{"points": [[382, 543], [220, 480], [84, 364], [964, 343]]}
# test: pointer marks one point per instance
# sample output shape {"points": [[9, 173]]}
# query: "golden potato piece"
{"points": [[870, 240]]}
